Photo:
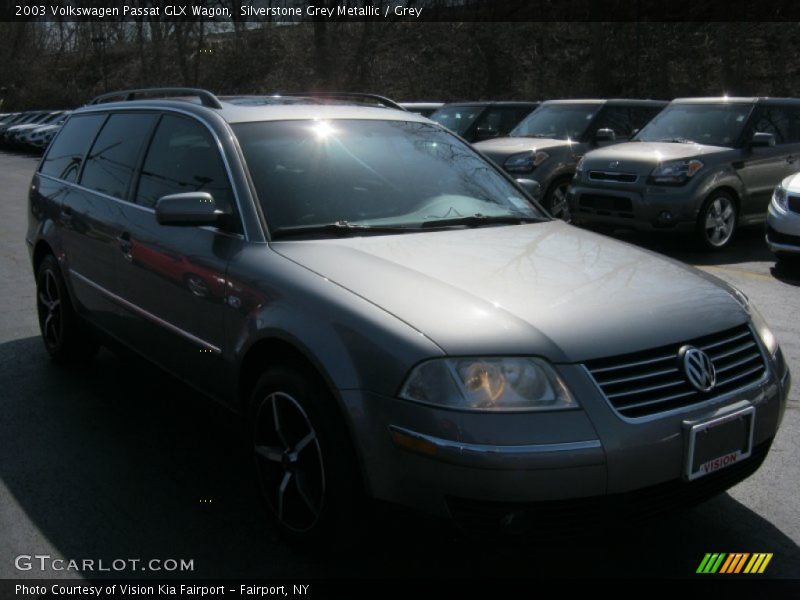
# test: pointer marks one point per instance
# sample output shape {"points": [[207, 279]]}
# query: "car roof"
{"points": [[512, 103], [737, 100], [249, 109], [609, 101]]}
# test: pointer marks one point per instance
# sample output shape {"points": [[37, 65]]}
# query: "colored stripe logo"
{"points": [[735, 562]]}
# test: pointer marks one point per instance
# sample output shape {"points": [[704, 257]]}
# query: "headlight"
{"points": [[488, 384], [525, 161], [675, 173], [759, 323], [780, 198]]}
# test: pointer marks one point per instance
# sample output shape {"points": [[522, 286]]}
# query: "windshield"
{"points": [[557, 121], [457, 118], [372, 173], [709, 124]]}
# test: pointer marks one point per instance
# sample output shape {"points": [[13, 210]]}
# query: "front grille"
{"points": [[650, 382], [602, 204], [610, 176], [794, 204], [776, 237], [579, 515]]}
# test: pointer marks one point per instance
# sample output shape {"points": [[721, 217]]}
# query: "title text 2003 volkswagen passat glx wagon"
{"points": [[393, 314]]}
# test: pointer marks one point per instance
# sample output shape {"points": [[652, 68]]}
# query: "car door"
{"points": [[763, 167], [95, 169], [174, 277]]}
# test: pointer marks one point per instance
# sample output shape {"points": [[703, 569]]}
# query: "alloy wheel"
{"points": [[49, 308], [558, 202], [720, 221], [289, 462]]}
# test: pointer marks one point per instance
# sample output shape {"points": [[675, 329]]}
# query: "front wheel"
{"points": [[304, 461], [716, 223], [555, 200]]}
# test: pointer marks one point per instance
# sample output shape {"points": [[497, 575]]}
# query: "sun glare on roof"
{"points": [[322, 129]]}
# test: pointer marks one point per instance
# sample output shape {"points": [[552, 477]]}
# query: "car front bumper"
{"points": [[444, 462], [783, 231], [641, 207]]}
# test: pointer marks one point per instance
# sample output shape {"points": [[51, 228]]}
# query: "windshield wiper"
{"points": [[478, 220], [677, 140], [342, 228]]}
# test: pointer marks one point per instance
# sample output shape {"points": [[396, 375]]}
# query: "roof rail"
{"points": [[206, 98], [383, 101]]}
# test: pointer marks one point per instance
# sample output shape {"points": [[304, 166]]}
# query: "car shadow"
{"points": [[118, 460], [747, 246]]}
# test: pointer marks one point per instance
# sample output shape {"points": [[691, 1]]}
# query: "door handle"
{"points": [[125, 245]]}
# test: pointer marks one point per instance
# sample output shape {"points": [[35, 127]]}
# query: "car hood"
{"points": [[642, 157], [513, 145], [546, 289]]}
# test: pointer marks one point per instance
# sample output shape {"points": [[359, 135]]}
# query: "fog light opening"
{"points": [[665, 217]]}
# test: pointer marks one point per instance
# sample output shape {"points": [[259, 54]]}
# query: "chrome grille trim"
{"points": [[652, 382]]}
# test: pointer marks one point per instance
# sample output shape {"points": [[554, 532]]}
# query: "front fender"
{"points": [[353, 343]]}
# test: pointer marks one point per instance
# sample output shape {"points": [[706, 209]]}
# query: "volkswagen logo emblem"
{"points": [[698, 368], [613, 164]]}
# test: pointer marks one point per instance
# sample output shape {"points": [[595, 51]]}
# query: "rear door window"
{"points": [[183, 157], [115, 153], [503, 119], [617, 118], [65, 156], [774, 120]]}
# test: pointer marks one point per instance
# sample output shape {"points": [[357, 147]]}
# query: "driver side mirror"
{"points": [[605, 136], [762, 139], [485, 132], [189, 208]]}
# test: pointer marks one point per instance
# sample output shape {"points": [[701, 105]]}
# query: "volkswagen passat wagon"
{"points": [[702, 166], [394, 316]]}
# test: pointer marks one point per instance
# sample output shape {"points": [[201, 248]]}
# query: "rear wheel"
{"points": [[555, 200], [716, 223], [66, 338], [304, 461]]}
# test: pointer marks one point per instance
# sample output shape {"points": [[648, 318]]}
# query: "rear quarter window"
{"points": [[65, 156]]}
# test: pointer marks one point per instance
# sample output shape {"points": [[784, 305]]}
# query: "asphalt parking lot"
{"points": [[117, 460]]}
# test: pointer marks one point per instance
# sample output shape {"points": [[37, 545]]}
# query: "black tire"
{"points": [[67, 339], [717, 221], [322, 502], [555, 200]]}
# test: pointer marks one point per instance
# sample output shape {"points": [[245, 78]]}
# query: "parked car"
{"points": [[12, 135], [18, 119], [34, 136], [703, 165], [426, 109], [476, 121], [783, 221], [547, 145], [40, 138], [418, 332]]}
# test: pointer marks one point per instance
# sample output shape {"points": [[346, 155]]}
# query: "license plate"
{"points": [[719, 443]]}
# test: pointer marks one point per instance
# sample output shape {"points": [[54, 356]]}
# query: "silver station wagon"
{"points": [[393, 315]]}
